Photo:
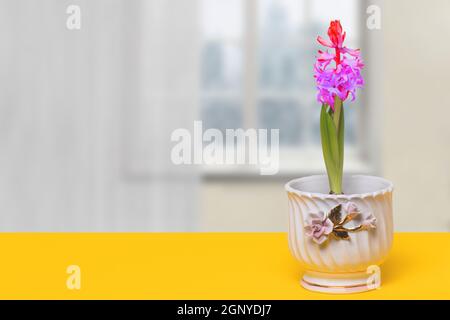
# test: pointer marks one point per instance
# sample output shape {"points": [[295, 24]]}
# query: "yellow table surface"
{"points": [[200, 266]]}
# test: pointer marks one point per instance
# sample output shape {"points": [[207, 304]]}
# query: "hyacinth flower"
{"points": [[337, 72]]}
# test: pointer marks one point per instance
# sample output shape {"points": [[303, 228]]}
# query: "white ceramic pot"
{"points": [[340, 238]]}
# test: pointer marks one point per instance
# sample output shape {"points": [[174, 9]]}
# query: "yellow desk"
{"points": [[200, 266]]}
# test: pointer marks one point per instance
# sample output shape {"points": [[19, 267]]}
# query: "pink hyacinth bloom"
{"points": [[318, 227], [337, 73]]}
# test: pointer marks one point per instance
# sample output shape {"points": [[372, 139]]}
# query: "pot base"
{"points": [[340, 283]]}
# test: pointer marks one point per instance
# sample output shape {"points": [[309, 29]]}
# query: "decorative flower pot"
{"points": [[339, 238]]}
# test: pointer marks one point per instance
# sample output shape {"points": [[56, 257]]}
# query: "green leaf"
{"points": [[340, 134], [330, 149], [337, 111], [326, 149]]}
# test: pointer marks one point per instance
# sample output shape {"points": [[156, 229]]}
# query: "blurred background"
{"points": [[86, 115]]}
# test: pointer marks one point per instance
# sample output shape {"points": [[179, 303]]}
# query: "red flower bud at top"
{"points": [[335, 34]]}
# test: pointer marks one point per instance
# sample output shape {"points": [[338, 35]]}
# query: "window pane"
{"points": [[222, 19], [221, 62], [221, 66], [283, 114], [279, 45], [222, 113]]}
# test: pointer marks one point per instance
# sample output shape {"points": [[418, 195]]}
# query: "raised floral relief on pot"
{"points": [[320, 226]]}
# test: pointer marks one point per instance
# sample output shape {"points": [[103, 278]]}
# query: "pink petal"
{"points": [[320, 240], [352, 52], [331, 106], [325, 56], [319, 233], [315, 218], [328, 226], [350, 207], [324, 42]]}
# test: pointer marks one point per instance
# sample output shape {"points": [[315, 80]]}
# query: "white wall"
{"points": [[416, 112]]}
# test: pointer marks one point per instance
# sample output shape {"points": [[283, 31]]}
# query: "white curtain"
{"points": [[86, 115]]}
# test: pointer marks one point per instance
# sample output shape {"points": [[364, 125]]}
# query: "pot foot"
{"points": [[340, 283]]}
